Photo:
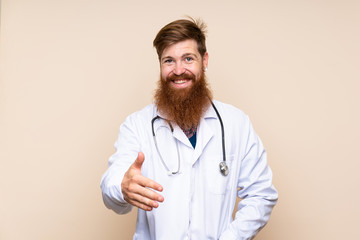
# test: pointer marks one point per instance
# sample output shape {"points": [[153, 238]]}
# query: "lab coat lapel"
{"points": [[180, 135], [161, 122], [204, 134], [178, 132]]}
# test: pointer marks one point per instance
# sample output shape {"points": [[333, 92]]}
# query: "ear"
{"points": [[205, 60]]}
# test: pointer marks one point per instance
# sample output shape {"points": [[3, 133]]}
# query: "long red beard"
{"points": [[185, 107]]}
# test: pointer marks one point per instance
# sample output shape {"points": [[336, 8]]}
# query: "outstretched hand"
{"points": [[139, 190]]}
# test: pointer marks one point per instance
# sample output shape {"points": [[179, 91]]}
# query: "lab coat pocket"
{"points": [[215, 181]]}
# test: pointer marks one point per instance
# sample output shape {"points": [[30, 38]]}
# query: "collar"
{"points": [[210, 112], [178, 133]]}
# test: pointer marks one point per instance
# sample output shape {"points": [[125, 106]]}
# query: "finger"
{"points": [[139, 160], [141, 201], [137, 188], [149, 183], [141, 205], [149, 194]]}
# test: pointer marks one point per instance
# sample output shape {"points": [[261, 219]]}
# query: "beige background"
{"points": [[72, 70]]}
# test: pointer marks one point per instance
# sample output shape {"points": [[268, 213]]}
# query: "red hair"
{"points": [[181, 30]]}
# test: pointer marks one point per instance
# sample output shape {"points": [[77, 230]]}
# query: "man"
{"points": [[183, 159]]}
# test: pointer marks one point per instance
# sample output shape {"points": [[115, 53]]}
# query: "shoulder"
{"points": [[236, 122], [230, 111], [141, 117]]}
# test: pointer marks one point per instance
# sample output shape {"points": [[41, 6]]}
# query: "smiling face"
{"points": [[181, 64], [183, 95]]}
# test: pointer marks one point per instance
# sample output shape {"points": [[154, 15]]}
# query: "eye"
{"points": [[188, 59], [168, 61]]}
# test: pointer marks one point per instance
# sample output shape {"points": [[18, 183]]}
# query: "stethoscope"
{"points": [[224, 169]]}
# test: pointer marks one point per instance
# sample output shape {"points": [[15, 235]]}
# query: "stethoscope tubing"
{"points": [[222, 132], [223, 166]]}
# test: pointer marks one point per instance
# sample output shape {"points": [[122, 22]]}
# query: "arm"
{"points": [[123, 185], [256, 191]]}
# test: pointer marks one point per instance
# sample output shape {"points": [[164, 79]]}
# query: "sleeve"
{"points": [[256, 191], [127, 147]]}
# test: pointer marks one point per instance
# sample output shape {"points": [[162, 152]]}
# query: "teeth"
{"points": [[179, 81]]}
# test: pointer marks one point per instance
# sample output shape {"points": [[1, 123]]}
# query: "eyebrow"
{"points": [[190, 54]]}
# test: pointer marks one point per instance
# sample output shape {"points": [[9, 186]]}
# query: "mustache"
{"points": [[185, 75]]}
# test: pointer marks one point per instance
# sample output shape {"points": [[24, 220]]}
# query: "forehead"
{"points": [[178, 49]]}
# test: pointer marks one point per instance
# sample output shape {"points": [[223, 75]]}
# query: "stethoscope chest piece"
{"points": [[224, 169]]}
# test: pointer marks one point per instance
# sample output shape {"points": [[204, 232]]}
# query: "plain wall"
{"points": [[72, 70]]}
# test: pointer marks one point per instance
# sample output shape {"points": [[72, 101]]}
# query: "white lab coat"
{"points": [[198, 202]]}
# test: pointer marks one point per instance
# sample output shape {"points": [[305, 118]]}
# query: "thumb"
{"points": [[139, 160]]}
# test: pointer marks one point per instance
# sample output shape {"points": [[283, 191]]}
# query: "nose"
{"points": [[179, 68]]}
